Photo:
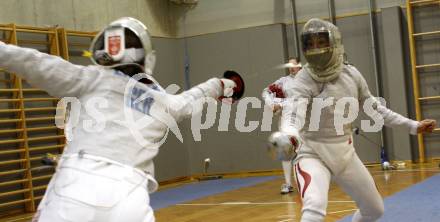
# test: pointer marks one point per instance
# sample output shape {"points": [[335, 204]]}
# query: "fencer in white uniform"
{"points": [[106, 173], [273, 97], [322, 152]]}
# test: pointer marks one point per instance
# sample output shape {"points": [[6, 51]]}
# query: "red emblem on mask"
{"points": [[114, 45]]}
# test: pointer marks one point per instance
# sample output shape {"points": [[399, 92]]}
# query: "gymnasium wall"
{"points": [[165, 19], [85, 15], [173, 158], [252, 52], [211, 16]]}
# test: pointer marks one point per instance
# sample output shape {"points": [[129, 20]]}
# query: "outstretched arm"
{"points": [[182, 105], [283, 144], [51, 73], [391, 118]]}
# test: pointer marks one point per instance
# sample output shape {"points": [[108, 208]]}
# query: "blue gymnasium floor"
{"points": [[418, 203], [194, 191]]}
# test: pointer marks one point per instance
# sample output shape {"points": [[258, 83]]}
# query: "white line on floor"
{"points": [[288, 215], [340, 211], [253, 203], [408, 170], [233, 203], [341, 201], [290, 219]]}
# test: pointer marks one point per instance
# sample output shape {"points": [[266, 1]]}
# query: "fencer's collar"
{"points": [[322, 79]]}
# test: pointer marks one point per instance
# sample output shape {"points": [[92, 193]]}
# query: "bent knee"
{"points": [[373, 213], [378, 211]]}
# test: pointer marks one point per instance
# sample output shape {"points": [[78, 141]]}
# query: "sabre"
{"points": [[274, 68]]}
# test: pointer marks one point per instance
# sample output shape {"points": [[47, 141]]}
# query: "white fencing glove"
{"points": [[228, 87], [282, 146]]}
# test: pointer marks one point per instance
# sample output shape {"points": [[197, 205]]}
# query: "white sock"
{"points": [[287, 169]]}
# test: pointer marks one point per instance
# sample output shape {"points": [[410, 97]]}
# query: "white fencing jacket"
{"points": [[351, 84], [296, 119], [106, 104]]}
